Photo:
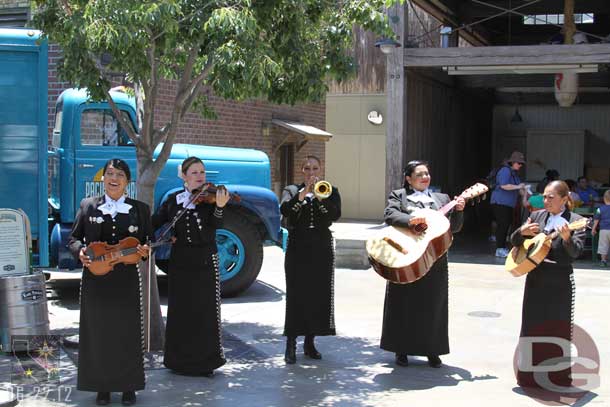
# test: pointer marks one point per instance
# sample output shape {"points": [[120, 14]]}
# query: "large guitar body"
{"points": [[402, 256]]}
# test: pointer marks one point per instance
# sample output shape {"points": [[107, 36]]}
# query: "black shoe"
{"points": [[103, 398], [402, 359], [309, 348], [209, 374], [291, 350], [434, 361], [129, 398]]}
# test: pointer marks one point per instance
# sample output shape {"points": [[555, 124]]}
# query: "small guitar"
{"points": [[404, 255], [523, 259], [105, 256]]}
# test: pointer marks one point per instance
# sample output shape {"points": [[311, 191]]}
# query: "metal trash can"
{"points": [[23, 309]]}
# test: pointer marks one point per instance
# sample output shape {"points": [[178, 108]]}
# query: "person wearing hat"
{"points": [[504, 198]]}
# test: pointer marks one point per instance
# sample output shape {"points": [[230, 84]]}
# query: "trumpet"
{"points": [[322, 189]]}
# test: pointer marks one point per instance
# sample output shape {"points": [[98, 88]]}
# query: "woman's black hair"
{"points": [[408, 171], [190, 161], [119, 165]]}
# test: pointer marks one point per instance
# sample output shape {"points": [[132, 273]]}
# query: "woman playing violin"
{"points": [[309, 262], [193, 339], [110, 330], [548, 299], [415, 316]]}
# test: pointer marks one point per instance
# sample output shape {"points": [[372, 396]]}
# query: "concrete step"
{"points": [[350, 241]]}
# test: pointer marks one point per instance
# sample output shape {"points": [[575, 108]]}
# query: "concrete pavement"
{"points": [[484, 316]]}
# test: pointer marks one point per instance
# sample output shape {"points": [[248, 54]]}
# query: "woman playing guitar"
{"points": [[110, 330], [549, 288], [415, 316]]}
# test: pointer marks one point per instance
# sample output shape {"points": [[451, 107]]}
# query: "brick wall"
{"points": [[239, 124]]}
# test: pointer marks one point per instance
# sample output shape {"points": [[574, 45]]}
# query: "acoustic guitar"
{"points": [[523, 259], [404, 255]]}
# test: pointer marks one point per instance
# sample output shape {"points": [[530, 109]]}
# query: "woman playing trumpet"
{"points": [[309, 261]]}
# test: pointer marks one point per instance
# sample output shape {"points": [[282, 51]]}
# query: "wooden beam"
{"points": [[568, 23], [593, 80], [548, 98], [396, 136], [470, 11], [508, 55]]}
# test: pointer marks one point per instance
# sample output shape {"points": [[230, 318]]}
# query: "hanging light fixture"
{"points": [[517, 117]]}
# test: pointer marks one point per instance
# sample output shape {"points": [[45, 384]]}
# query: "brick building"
{"points": [[254, 123]]}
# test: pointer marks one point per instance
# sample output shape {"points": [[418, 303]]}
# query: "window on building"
{"points": [[98, 127], [546, 19], [286, 165], [14, 17]]}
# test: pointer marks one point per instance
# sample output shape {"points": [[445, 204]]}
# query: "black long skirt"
{"points": [[192, 337], [548, 306], [110, 355], [310, 267], [415, 315]]}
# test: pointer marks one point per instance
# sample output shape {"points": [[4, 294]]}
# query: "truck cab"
{"points": [[86, 135]]}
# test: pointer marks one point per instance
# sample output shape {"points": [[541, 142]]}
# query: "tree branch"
{"points": [[151, 95], [196, 85]]}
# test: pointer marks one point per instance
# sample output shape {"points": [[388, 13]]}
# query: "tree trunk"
{"points": [[154, 328]]}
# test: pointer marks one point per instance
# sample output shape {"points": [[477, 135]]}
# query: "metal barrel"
{"points": [[23, 310]]}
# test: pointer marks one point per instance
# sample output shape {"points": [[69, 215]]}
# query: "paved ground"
{"points": [[485, 305]]}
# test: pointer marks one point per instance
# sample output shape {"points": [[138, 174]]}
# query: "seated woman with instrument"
{"points": [[309, 209], [549, 288], [192, 337], [110, 332], [415, 316]]}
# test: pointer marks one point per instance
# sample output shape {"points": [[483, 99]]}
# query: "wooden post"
{"points": [[396, 99], [569, 27]]}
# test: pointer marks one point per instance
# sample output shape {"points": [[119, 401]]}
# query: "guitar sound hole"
{"points": [[420, 228]]}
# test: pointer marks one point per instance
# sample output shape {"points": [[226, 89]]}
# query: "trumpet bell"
{"points": [[322, 189]]}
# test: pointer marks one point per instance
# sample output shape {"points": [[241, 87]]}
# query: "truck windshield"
{"points": [[99, 127]]}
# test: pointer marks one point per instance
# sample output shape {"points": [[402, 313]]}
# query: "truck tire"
{"points": [[240, 251]]}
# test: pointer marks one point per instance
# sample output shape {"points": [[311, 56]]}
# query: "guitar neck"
{"points": [[445, 209]]}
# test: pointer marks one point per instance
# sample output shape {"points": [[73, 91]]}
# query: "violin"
{"points": [[105, 256], [207, 194]]}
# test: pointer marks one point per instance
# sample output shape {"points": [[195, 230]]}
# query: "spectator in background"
{"points": [[602, 219], [550, 175], [587, 194], [504, 198]]}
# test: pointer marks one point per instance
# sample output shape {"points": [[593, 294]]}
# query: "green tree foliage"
{"points": [[284, 51]]}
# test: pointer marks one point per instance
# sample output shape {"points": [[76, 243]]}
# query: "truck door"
{"points": [[101, 138]]}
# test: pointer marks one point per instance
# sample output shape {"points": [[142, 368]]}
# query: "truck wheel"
{"points": [[240, 251]]}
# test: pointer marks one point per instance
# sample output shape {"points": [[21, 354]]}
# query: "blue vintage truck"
{"points": [[49, 179]]}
